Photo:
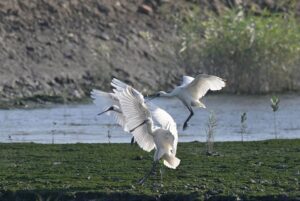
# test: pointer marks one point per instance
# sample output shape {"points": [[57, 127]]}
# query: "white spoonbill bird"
{"points": [[111, 106], [139, 120], [192, 90], [110, 103]]}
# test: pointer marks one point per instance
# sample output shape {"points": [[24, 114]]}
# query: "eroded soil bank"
{"points": [[56, 51]]}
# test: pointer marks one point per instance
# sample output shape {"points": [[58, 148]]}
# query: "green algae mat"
{"points": [[263, 170]]}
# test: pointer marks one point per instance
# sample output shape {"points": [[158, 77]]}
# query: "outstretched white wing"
{"points": [[167, 122], [105, 100], [136, 112], [202, 83], [120, 86], [186, 80]]}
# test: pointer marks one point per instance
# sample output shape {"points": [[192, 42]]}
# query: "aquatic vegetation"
{"points": [[210, 132], [108, 136], [275, 106], [243, 125]]}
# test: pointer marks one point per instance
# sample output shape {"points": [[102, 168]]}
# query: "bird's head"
{"points": [[155, 95], [160, 93], [111, 108]]}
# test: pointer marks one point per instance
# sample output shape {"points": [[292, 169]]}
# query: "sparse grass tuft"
{"points": [[243, 125], [275, 106], [210, 133]]}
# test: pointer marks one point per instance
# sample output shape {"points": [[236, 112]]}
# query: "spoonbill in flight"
{"points": [[192, 90]]}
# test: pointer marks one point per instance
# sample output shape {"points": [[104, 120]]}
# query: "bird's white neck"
{"points": [[150, 126]]}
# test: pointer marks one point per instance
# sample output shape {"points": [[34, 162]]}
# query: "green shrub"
{"points": [[256, 54]]}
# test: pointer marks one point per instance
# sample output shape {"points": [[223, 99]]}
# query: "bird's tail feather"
{"points": [[171, 161]]}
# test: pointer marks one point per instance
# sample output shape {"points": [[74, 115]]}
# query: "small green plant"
{"points": [[148, 37], [275, 106], [243, 125], [108, 136], [210, 132], [40, 197], [105, 50]]}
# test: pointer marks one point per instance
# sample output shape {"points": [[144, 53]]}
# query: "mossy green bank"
{"points": [[264, 170]]}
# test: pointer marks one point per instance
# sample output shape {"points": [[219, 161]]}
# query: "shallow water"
{"points": [[80, 123]]}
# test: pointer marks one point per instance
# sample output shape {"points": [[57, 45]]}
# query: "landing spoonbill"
{"points": [[140, 121]]}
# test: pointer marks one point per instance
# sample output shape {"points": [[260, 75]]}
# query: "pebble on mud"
{"points": [[145, 9]]}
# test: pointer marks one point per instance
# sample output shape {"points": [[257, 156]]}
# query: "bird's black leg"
{"points": [[142, 181], [161, 175], [132, 141], [185, 125]]}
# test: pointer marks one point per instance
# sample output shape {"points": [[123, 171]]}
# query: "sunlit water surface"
{"points": [[80, 123]]}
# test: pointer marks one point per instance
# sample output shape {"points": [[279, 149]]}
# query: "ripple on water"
{"points": [[80, 123]]}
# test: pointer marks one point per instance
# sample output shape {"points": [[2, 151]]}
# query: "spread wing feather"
{"points": [[120, 86], [106, 100], [202, 83], [186, 80], [136, 112]]}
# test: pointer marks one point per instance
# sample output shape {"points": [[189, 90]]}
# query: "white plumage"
{"points": [[151, 126], [158, 116], [140, 122], [138, 117], [166, 122], [192, 90], [110, 104]]}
